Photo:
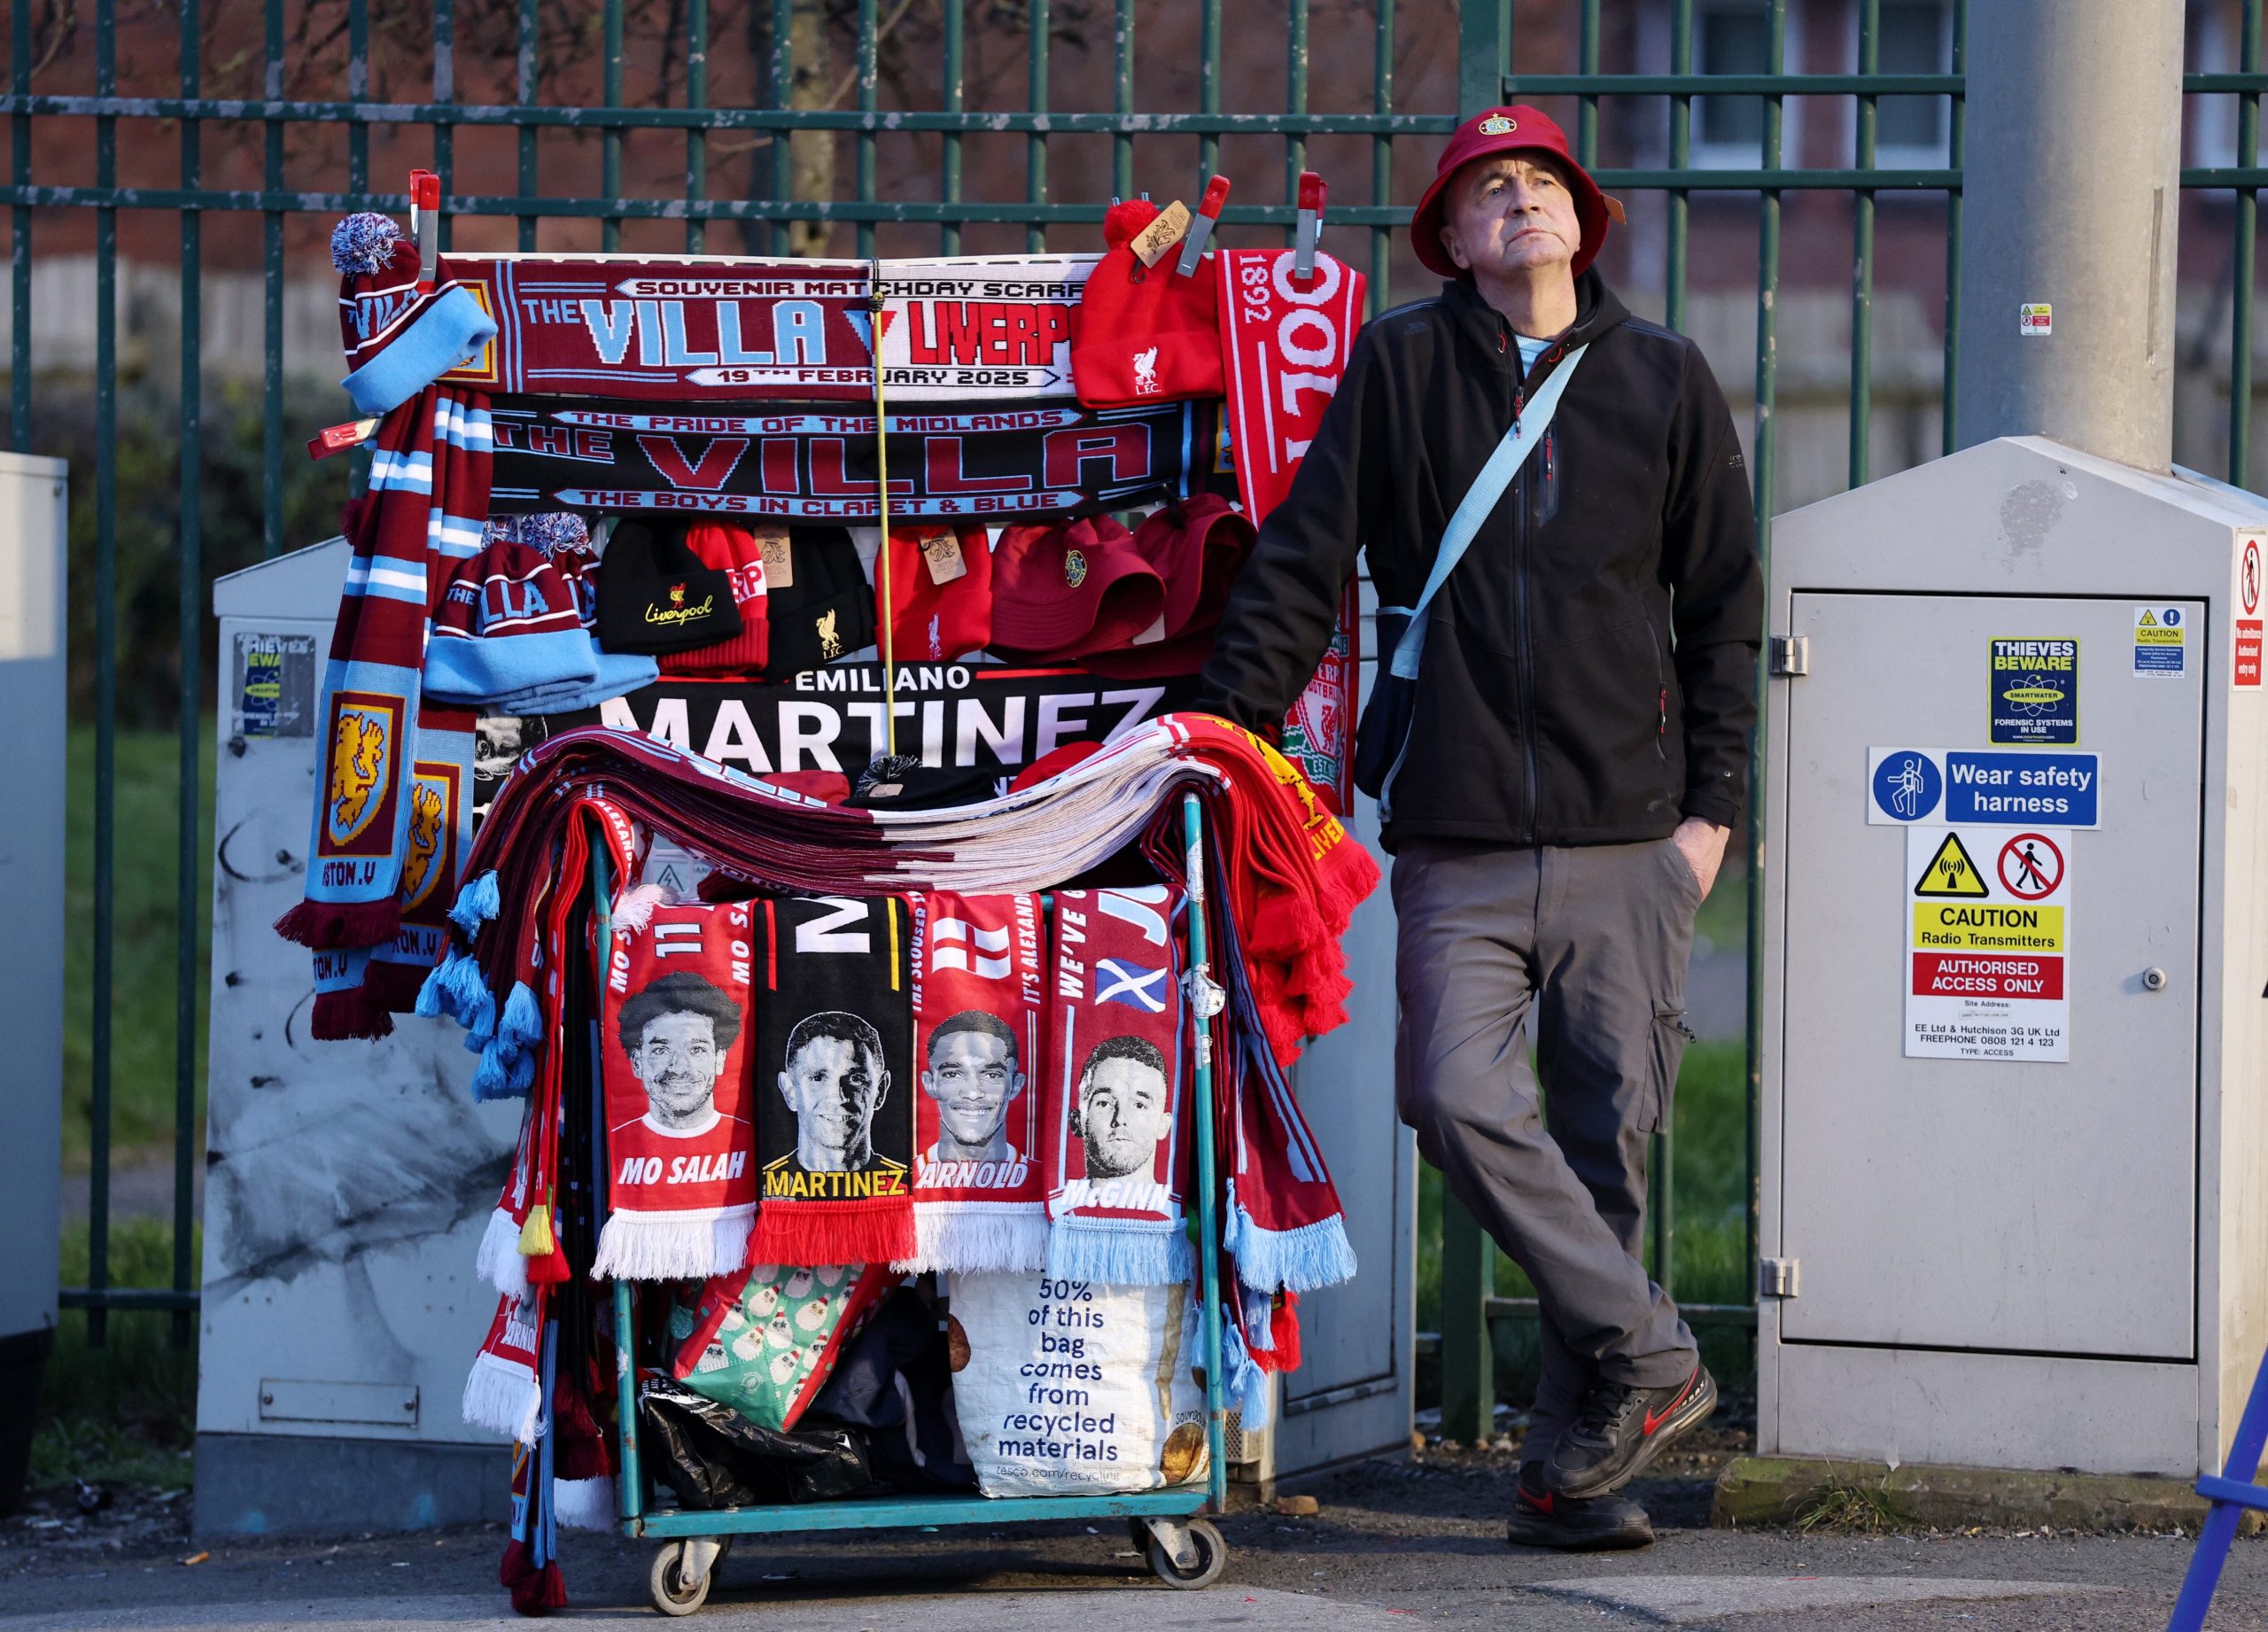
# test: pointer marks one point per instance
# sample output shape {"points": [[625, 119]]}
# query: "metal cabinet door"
{"points": [[2037, 1207]]}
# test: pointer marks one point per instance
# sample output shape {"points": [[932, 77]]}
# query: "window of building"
{"points": [[1913, 36]]}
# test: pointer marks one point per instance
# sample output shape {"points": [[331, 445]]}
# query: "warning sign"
{"points": [[2035, 692], [1986, 947], [1950, 871], [2159, 651]]}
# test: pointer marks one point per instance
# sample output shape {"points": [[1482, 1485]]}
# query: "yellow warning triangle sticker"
{"points": [[2148, 622], [1950, 871]]}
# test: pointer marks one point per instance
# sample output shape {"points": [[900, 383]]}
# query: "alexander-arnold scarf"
{"points": [[674, 1025], [978, 1203], [1112, 1133], [834, 1090]]}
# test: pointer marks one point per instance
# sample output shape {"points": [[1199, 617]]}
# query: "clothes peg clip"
{"points": [[425, 226], [1200, 229], [337, 439], [1311, 196]]}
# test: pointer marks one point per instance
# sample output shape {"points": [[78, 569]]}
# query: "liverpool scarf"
{"points": [[1284, 344], [1112, 1130], [677, 331], [834, 1102], [1318, 733], [978, 1200], [679, 1182], [503, 1393], [798, 463], [1286, 1230]]}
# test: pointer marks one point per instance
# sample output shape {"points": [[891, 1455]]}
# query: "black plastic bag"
{"points": [[894, 1382], [713, 1457]]}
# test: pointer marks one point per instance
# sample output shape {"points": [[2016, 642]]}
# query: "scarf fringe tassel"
{"points": [[324, 925], [878, 1231], [583, 1503], [645, 1247], [500, 1262], [1113, 1253], [477, 903], [1301, 1259], [502, 1398], [968, 1242]]}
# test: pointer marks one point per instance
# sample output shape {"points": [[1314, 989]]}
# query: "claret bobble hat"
{"points": [[1503, 130]]}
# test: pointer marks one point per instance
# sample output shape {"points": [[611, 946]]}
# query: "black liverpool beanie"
{"points": [[656, 597]]}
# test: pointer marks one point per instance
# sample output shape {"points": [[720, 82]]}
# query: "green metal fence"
{"points": [[1487, 70]]}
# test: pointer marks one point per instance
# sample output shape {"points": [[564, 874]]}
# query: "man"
{"points": [[677, 1031], [1574, 763], [974, 1074], [1125, 1107], [834, 1082]]}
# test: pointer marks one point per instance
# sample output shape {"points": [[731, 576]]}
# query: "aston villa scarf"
{"points": [[978, 1200], [1284, 345], [673, 329], [834, 1095], [680, 1183], [804, 463], [439, 833], [1112, 1130], [1286, 1230]]}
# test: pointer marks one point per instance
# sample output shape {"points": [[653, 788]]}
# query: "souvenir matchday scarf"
{"points": [[978, 1200], [1284, 346], [680, 1186], [503, 1394], [834, 1087], [1111, 1127]]}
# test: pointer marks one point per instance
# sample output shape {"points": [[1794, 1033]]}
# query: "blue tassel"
{"points": [[1244, 1382], [521, 1074], [364, 243], [1115, 1256], [488, 1079], [435, 998], [523, 1021], [477, 903], [479, 1017], [1302, 1260]]}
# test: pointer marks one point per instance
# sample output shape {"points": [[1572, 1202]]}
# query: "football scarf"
{"points": [[834, 1087], [978, 1200], [1284, 346], [1111, 1131], [800, 463], [675, 331], [503, 1394], [1318, 733], [439, 833], [674, 1028], [1286, 1228]]}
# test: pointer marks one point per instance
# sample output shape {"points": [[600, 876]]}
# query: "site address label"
{"points": [[2008, 788]]}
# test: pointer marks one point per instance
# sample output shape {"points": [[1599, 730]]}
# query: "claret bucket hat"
{"points": [[1504, 130]]}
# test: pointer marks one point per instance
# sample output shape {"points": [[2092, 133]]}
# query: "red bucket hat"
{"points": [[1504, 130], [1060, 591]]}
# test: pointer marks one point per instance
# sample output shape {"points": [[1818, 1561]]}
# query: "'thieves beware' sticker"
{"points": [[2035, 687]]}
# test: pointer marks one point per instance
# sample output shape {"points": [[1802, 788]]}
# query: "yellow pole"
{"points": [[877, 320]]}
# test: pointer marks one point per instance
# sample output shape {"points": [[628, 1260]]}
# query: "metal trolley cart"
{"points": [[1184, 1548]]}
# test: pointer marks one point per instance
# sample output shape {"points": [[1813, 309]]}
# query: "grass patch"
{"points": [[144, 946], [1844, 1507], [125, 1413]]}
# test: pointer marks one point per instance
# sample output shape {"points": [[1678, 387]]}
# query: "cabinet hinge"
{"points": [[1778, 1277], [1791, 654]]}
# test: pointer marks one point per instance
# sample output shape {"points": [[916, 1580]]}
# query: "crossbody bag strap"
{"points": [[1479, 500]]}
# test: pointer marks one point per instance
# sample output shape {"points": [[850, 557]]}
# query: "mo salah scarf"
{"points": [[978, 1201], [835, 1093], [1112, 1127], [427, 503], [680, 1186]]}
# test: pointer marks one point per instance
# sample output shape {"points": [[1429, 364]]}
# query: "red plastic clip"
{"points": [[337, 439], [1312, 192], [1200, 228], [425, 226]]}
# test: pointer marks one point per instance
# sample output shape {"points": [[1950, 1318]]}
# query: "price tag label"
{"points": [[779, 564], [941, 549], [1150, 243]]}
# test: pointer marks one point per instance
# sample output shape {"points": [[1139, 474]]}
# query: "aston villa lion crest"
{"points": [[364, 726], [1075, 567]]}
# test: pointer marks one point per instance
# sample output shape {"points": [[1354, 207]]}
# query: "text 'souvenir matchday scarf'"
{"points": [[834, 1085], [810, 463], [1112, 1130], [978, 1201], [680, 1183], [427, 499]]}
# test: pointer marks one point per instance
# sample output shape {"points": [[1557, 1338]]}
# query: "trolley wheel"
{"points": [[1212, 1558], [670, 1595]]}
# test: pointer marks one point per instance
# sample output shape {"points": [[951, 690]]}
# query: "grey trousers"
{"points": [[1584, 952]]}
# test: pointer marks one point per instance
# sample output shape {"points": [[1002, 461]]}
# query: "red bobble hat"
{"points": [[735, 552], [929, 621], [1060, 591], [1505, 130], [1144, 334]]}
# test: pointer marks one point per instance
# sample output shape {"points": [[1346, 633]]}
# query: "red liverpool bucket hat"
{"points": [[1503, 130]]}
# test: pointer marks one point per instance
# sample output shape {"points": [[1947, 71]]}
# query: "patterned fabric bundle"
{"points": [[978, 1203], [835, 1111], [1113, 1148], [428, 499], [680, 1184], [763, 1340]]}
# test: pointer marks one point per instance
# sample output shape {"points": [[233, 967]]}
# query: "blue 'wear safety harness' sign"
{"points": [[1982, 787]]}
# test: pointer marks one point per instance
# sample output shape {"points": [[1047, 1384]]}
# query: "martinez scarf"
{"points": [[680, 1186], [834, 1085], [1284, 345], [1111, 1129], [427, 499], [978, 1203]]}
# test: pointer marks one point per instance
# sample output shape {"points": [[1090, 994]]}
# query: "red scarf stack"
{"points": [[978, 1201], [1112, 1130], [681, 1184], [835, 1112]]}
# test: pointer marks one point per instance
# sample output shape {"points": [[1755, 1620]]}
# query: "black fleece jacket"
{"points": [[1590, 665]]}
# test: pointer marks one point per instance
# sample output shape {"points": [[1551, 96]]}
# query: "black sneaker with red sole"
{"points": [[1620, 1429], [1545, 1518]]}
